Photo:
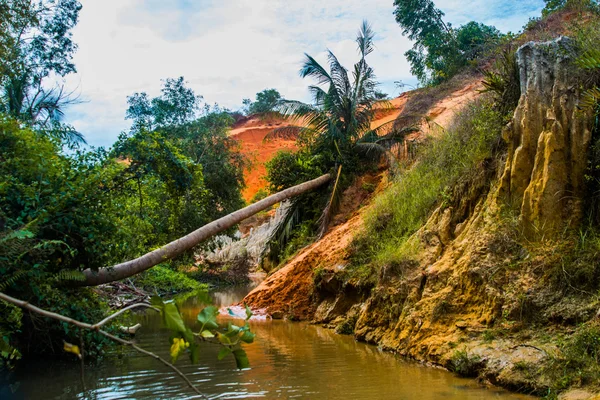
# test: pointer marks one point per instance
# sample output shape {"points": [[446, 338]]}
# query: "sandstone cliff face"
{"points": [[548, 139], [463, 281]]}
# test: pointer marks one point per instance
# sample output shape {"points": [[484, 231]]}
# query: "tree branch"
{"points": [[96, 327]]}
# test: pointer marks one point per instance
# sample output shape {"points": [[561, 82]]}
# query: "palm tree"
{"points": [[40, 107], [338, 123], [341, 115]]}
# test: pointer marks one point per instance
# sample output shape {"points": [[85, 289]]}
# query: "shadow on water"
{"points": [[288, 360]]}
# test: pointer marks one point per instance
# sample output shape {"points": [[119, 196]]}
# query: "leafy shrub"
{"points": [[578, 362], [163, 280], [261, 194], [465, 364], [504, 81], [265, 102]]}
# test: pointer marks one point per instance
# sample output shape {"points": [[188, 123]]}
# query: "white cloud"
{"points": [[228, 50]]}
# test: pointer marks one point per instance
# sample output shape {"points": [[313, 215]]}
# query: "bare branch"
{"points": [[26, 305]]}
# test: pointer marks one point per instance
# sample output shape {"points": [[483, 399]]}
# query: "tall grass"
{"points": [[453, 158]]}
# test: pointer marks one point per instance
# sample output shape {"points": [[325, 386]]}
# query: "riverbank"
{"points": [[287, 360]]}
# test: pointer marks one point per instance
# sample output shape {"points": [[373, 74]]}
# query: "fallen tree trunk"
{"points": [[177, 247]]}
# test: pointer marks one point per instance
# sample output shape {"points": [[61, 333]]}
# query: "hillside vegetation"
{"points": [[481, 254]]}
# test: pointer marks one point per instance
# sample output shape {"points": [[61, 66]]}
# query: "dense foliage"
{"points": [[265, 102], [458, 159], [36, 47], [335, 134], [440, 51], [65, 211]]}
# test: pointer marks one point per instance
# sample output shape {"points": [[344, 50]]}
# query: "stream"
{"points": [[288, 360]]}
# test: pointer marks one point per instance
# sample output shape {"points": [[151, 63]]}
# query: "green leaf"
{"points": [[224, 352], [172, 318], [247, 337], [241, 359], [248, 312], [208, 317], [157, 302], [232, 330], [231, 312], [207, 334], [223, 339]]}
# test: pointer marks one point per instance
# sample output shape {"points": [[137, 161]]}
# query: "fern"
{"points": [[590, 99], [12, 280], [69, 276], [504, 81]]}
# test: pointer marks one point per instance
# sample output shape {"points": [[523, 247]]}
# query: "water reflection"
{"points": [[289, 360]]}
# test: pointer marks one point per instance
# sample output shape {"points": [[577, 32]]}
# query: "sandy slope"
{"points": [[288, 291]]}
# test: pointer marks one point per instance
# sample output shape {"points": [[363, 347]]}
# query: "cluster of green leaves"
{"points": [[503, 81], [198, 134], [578, 363], [453, 157], [577, 5], [36, 46], [265, 102], [440, 51], [184, 340], [163, 280], [61, 213]]}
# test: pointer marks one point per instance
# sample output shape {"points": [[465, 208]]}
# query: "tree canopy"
{"points": [[36, 45], [265, 102], [439, 51]]}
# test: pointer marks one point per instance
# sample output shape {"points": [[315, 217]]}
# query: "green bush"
{"points": [[578, 362], [458, 155], [163, 280], [465, 364]]}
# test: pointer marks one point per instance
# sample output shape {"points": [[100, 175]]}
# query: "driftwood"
{"points": [[177, 247]]}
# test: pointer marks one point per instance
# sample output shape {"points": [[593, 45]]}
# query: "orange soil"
{"points": [[288, 291], [250, 134]]}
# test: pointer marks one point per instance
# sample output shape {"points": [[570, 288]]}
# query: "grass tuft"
{"points": [[444, 165]]}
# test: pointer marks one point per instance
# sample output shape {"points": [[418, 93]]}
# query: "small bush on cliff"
{"points": [[578, 363], [465, 364], [453, 160]]}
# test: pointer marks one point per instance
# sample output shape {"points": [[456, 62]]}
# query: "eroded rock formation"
{"points": [[548, 139]]}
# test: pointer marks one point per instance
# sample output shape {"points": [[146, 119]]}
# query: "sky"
{"points": [[229, 50]]}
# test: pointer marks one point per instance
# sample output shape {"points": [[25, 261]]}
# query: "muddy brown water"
{"points": [[288, 360]]}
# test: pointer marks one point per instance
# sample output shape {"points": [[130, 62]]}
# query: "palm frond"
{"points": [[288, 132], [339, 76], [365, 38], [281, 234], [332, 205], [590, 99], [311, 68]]}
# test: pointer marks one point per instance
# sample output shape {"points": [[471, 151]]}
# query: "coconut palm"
{"points": [[337, 125], [339, 120]]}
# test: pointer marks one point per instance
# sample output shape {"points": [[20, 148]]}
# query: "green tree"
{"points": [[335, 131], [176, 105], [207, 142], [265, 102], [439, 51], [201, 134], [36, 46]]}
